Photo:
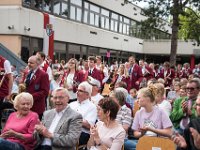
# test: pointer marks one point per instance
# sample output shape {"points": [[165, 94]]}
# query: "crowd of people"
{"points": [[87, 104]]}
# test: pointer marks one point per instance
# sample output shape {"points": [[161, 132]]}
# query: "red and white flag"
{"points": [[48, 40]]}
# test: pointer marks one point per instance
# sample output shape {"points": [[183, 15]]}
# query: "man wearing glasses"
{"points": [[191, 137], [183, 108], [86, 108], [61, 127]]}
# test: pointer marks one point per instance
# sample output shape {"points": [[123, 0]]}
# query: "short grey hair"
{"points": [[23, 95], [87, 87], [65, 91]]}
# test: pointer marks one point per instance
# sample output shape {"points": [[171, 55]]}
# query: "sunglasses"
{"points": [[190, 89]]}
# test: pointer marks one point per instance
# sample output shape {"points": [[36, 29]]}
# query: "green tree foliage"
{"points": [[164, 9], [190, 26]]}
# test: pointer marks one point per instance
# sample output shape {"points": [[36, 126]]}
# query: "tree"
{"points": [[190, 26], [159, 10]]}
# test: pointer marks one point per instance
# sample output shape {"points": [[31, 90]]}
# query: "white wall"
{"points": [[164, 46], [65, 30]]}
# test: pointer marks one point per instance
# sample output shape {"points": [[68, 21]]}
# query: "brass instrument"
{"points": [[2, 73], [12, 97], [22, 88]]}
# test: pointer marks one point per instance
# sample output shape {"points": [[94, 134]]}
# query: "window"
{"points": [[94, 15], [114, 22], [76, 10], [64, 9], [47, 5], [56, 7], [104, 19], [126, 26], [86, 12]]}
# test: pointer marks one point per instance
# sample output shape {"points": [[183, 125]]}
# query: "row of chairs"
{"points": [[150, 143]]}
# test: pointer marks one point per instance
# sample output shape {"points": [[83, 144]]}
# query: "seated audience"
{"points": [[160, 99], [150, 120], [191, 135], [18, 130], [96, 86], [86, 108], [61, 127], [183, 110], [107, 133], [124, 115]]}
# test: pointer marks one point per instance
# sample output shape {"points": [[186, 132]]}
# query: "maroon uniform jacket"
{"points": [[136, 75], [39, 88], [4, 89], [96, 74], [168, 77], [79, 77], [124, 79]]}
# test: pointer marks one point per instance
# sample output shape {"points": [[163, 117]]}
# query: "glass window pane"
{"points": [[86, 5], [114, 16], [47, 5], [96, 20], [120, 27], [64, 11], [105, 12], [77, 2], [126, 20], [92, 18], [85, 19], [107, 23], [94, 8], [56, 8], [79, 14], [112, 25], [116, 25], [127, 29], [103, 22], [124, 28], [72, 12]]}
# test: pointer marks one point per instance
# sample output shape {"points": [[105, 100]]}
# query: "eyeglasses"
{"points": [[58, 97], [81, 91], [71, 62], [190, 88], [197, 104]]}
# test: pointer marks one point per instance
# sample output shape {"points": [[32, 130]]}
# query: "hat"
{"points": [[94, 82]]}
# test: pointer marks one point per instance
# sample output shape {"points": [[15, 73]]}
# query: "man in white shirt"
{"points": [[86, 108], [96, 86], [60, 127]]}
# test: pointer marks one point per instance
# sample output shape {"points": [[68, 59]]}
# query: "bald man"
{"points": [[37, 84]]}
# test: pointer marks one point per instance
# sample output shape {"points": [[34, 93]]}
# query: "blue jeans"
{"points": [[7, 145], [130, 144]]}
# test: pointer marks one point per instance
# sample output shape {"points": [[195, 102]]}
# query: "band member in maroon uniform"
{"points": [[93, 71], [73, 78], [167, 74], [6, 81], [37, 84], [135, 73]]}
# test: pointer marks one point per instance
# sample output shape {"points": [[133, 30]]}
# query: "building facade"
{"points": [[82, 28]]}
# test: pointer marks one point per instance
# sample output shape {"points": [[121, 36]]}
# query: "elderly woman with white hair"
{"points": [[86, 108], [18, 130]]}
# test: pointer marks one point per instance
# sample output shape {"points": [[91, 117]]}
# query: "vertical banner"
{"points": [[192, 61], [48, 40]]}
